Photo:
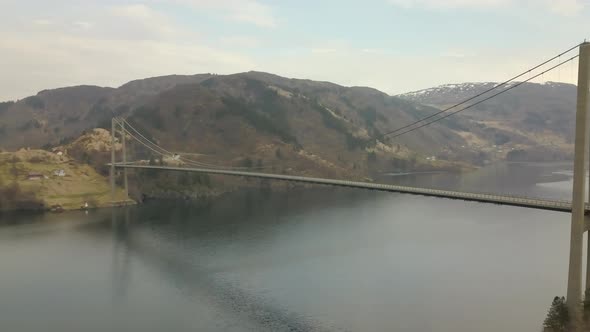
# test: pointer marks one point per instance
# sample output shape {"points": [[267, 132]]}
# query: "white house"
{"points": [[35, 176]]}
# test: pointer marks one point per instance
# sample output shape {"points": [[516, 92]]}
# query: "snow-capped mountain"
{"points": [[530, 116], [448, 88], [443, 94]]}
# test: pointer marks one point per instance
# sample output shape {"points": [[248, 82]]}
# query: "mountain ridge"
{"points": [[355, 113], [473, 87], [538, 117]]}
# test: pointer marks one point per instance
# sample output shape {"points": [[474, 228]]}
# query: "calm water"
{"points": [[308, 260]]}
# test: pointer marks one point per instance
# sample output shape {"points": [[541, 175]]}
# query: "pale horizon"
{"points": [[298, 78]]}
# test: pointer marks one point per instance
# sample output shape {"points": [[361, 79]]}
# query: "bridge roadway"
{"points": [[534, 203]]}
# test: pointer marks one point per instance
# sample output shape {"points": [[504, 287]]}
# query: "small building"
{"points": [[56, 208], [35, 176], [58, 152], [59, 172]]}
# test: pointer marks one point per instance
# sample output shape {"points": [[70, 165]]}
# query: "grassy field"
{"points": [[80, 184]]}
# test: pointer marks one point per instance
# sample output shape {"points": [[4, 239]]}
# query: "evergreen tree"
{"points": [[557, 317]]}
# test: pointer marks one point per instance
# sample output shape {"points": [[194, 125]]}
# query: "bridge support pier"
{"points": [[574, 283]]}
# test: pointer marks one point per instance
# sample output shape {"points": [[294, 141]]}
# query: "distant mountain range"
{"points": [[536, 118], [302, 125]]}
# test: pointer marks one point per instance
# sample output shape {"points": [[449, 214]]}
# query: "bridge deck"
{"points": [[542, 204]]}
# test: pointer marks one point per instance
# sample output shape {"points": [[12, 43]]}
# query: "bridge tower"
{"points": [[121, 124], [582, 146], [124, 151], [112, 172]]}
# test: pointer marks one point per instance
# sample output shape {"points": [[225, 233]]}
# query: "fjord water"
{"points": [[319, 259]]}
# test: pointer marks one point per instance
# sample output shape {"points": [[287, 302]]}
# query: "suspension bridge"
{"points": [[578, 207]]}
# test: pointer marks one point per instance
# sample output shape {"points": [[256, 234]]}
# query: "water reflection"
{"points": [[171, 259], [120, 223]]}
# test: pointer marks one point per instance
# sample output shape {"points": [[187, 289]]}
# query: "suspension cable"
{"points": [[488, 98], [480, 94], [167, 152]]}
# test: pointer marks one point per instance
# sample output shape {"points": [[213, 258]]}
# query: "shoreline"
{"points": [[50, 209]]}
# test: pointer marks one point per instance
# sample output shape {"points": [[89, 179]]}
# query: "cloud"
{"points": [[562, 7], [444, 4], [323, 50], [566, 7], [398, 72], [71, 60], [83, 24], [377, 51], [42, 21], [252, 12], [244, 11], [140, 12], [240, 41], [457, 54], [107, 46], [139, 21]]}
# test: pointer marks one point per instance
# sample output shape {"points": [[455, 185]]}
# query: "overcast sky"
{"points": [[393, 45]]}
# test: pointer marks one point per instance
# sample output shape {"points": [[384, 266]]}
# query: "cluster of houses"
{"points": [[33, 176]]}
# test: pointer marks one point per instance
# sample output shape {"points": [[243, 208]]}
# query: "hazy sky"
{"points": [[393, 45]]}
